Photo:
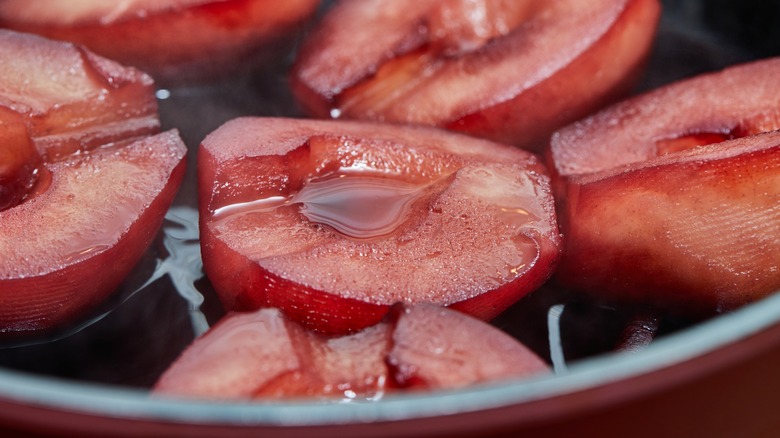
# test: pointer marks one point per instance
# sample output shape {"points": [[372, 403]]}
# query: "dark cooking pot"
{"points": [[711, 377], [716, 379]]}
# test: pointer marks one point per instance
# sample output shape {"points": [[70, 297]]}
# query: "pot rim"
{"points": [[704, 347]]}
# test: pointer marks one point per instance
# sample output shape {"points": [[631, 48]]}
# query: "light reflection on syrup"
{"points": [[262, 205], [555, 343], [183, 264], [357, 205]]}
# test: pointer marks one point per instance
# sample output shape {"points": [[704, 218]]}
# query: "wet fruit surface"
{"points": [[453, 220], [264, 355], [673, 198], [504, 70], [71, 100], [175, 41], [84, 184]]}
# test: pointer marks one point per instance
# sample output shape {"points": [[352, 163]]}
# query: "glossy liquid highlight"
{"points": [[358, 206], [355, 205]]}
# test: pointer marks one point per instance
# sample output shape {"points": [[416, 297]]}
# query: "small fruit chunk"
{"points": [[264, 355], [84, 184], [506, 70], [673, 197], [173, 40], [334, 222]]}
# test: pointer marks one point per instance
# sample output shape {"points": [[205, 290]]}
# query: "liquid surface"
{"points": [[358, 206]]}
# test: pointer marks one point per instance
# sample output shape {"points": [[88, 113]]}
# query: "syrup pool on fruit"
{"points": [[356, 204]]}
